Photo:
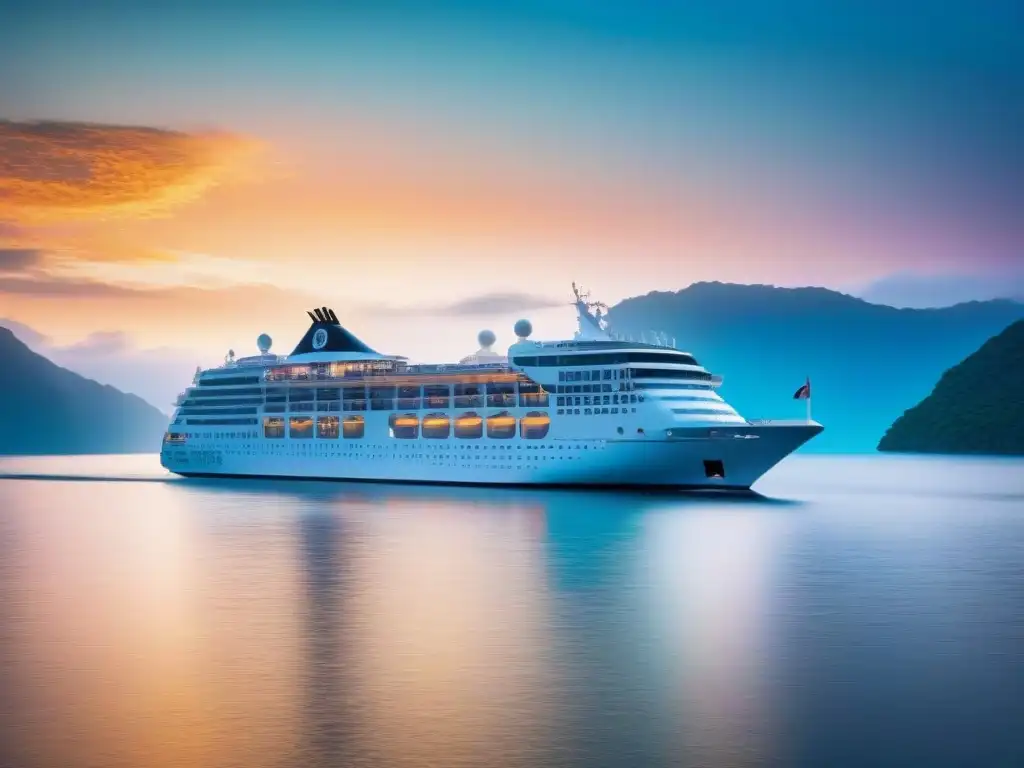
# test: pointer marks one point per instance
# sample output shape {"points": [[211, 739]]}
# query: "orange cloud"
{"points": [[65, 172]]}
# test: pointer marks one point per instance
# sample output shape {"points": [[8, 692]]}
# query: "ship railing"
{"points": [[253, 361], [458, 367], [260, 360], [578, 344], [565, 344], [412, 370], [777, 422]]}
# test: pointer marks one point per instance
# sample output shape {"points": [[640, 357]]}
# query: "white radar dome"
{"points": [[486, 338]]}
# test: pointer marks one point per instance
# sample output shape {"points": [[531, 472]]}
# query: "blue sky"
{"points": [[631, 146]]}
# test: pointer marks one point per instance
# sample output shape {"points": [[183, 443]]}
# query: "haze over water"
{"points": [[861, 610]]}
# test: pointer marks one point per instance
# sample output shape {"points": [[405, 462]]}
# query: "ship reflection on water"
{"points": [[460, 627], [424, 632], [306, 624]]}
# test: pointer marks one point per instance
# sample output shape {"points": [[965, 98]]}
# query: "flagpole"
{"points": [[808, 407]]}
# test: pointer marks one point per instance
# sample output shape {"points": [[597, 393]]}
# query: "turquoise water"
{"points": [[858, 611]]}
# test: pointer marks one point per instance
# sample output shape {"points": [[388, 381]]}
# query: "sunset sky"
{"points": [[187, 175]]}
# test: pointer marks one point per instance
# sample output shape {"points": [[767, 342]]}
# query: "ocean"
{"points": [[856, 611]]}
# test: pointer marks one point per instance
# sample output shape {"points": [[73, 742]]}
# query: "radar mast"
{"points": [[592, 325]]}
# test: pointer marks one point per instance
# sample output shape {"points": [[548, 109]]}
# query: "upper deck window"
{"points": [[215, 394], [301, 395], [437, 395], [186, 411], [408, 397], [354, 398], [669, 373], [218, 402], [382, 398], [501, 394], [469, 395], [649, 385], [606, 358], [220, 422], [336, 370], [228, 381], [532, 394]]}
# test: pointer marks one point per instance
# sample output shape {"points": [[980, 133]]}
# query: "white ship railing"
{"points": [[305, 374], [778, 422], [256, 360]]}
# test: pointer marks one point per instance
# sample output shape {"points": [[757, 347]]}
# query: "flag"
{"points": [[804, 393]]}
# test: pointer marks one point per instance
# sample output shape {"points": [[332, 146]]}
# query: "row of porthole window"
{"points": [[568, 389], [599, 399], [593, 411], [181, 437], [408, 426], [468, 401]]}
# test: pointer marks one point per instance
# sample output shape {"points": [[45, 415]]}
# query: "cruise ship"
{"points": [[594, 410]]}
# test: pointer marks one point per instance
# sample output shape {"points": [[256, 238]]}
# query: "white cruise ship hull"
{"points": [[589, 411], [733, 460]]}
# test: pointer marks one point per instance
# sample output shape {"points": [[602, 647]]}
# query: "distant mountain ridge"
{"points": [[867, 362], [110, 357], [977, 407], [46, 409]]}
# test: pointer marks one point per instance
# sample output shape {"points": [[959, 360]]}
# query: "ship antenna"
{"points": [[334, 317], [319, 315], [311, 315]]}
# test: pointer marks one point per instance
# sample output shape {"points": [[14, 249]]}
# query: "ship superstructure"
{"points": [[591, 410]]}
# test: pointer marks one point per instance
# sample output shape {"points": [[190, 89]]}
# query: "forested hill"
{"points": [[867, 362], [977, 406]]}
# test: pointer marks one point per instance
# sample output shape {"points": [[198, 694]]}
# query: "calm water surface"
{"points": [[861, 611]]}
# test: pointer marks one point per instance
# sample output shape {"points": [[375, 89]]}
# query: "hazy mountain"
{"points": [[867, 362], [977, 406], [45, 409], [921, 291], [109, 357]]}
